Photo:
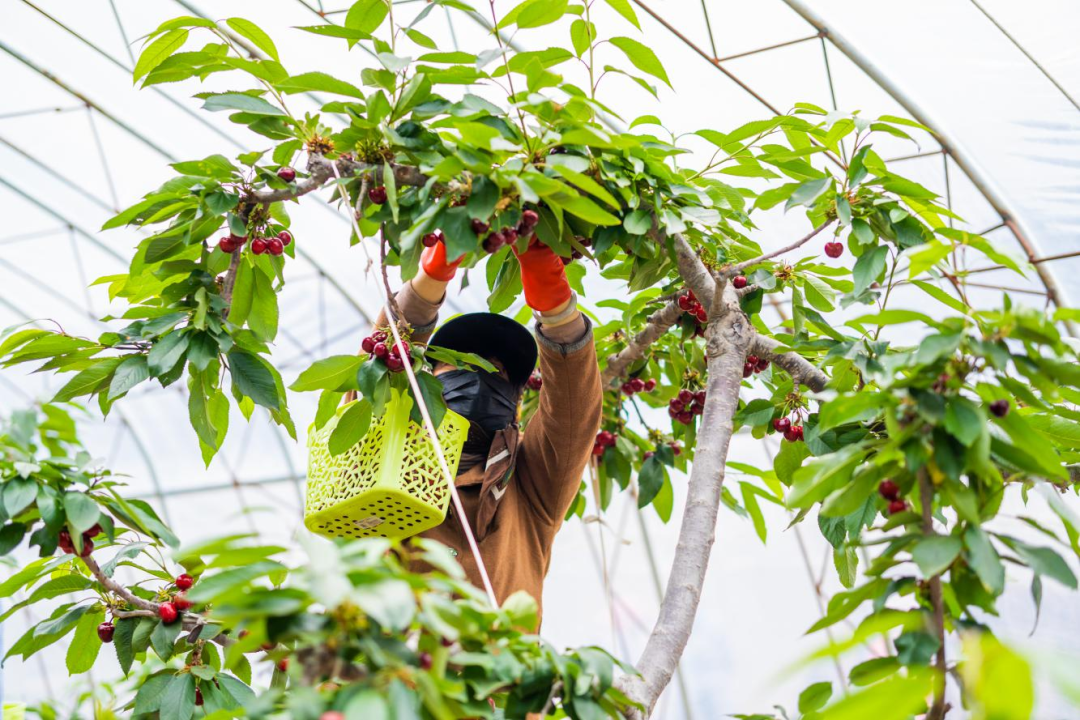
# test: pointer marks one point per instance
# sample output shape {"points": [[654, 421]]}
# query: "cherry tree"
{"points": [[902, 446]]}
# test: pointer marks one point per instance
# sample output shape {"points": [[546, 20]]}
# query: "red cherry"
{"points": [[65, 543], [168, 613], [739, 281], [781, 424], [598, 449], [283, 664], [701, 315], [762, 364], [184, 582], [380, 350], [799, 430], [747, 370], [638, 384], [676, 404], [287, 174], [379, 336], [367, 345], [275, 246], [628, 388], [198, 692], [697, 408], [479, 226], [791, 435], [834, 249], [430, 240], [605, 438], [535, 382], [395, 363], [676, 448], [377, 194], [225, 244], [752, 360], [510, 235], [686, 417], [180, 601], [87, 547], [897, 506], [1000, 408], [426, 661], [889, 490], [285, 237], [699, 397], [650, 385], [332, 715], [105, 632], [258, 246], [684, 302], [530, 219], [672, 412], [93, 532], [686, 396]]}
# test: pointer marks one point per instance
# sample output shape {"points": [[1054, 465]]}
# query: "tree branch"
{"points": [[926, 498], [657, 324], [738, 267], [799, 368], [729, 337], [116, 588]]}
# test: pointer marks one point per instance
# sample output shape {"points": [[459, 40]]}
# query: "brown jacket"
{"points": [[545, 469]]}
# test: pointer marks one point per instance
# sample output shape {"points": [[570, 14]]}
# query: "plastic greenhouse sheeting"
{"points": [[78, 142]]}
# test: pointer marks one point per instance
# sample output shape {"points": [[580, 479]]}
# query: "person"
{"points": [[515, 487]]}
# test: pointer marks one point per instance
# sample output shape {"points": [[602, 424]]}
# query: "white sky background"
{"points": [[758, 601]]}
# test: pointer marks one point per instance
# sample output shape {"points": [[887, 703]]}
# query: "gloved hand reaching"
{"points": [[435, 265], [543, 277]]}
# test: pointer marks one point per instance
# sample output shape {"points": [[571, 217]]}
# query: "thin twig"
{"points": [[116, 588], [390, 297], [738, 267]]}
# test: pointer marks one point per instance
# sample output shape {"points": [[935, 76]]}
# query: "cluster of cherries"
{"points": [[274, 245], [168, 611], [753, 365], [636, 385], [604, 440], [891, 492], [684, 406], [792, 432], [535, 382], [834, 249], [432, 239], [495, 239], [65, 543], [392, 355], [690, 305]]}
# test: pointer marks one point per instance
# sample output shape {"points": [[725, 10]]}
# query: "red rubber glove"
{"points": [[543, 277], [433, 260]]}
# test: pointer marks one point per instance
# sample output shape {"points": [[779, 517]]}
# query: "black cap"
{"points": [[492, 336]]}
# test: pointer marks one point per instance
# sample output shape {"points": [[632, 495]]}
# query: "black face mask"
{"points": [[486, 400]]}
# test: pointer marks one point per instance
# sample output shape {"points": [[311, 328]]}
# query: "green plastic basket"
{"points": [[387, 485]]}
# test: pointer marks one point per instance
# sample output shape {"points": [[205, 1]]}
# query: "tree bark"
{"points": [[728, 339]]}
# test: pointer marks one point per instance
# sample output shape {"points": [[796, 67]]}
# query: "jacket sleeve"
{"points": [[559, 438]]}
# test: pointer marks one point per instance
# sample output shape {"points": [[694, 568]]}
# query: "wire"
{"points": [[428, 425]]}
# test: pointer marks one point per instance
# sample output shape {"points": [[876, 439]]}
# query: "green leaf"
{"points": [[935, 553], [18, 494], [391, 603], [431, 389], [1043, 561], [984, 560], [263, 318], [643, 58], [243, 103], [255, 34], [814, 697], [88, 380], [243, 294], [815, 480], [85, 644], [351, 427], [252, 379], [122, 637], [808, 192], [964, 420], [367, 15], [624, 8], [869, 267], [156, 52], [844, 409], [328, 373], [129, 373], [148, 699], [318, 82], [82, 512], [587, 210], [178, 698], [650, 480], [167, 352], [163, 638]]}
